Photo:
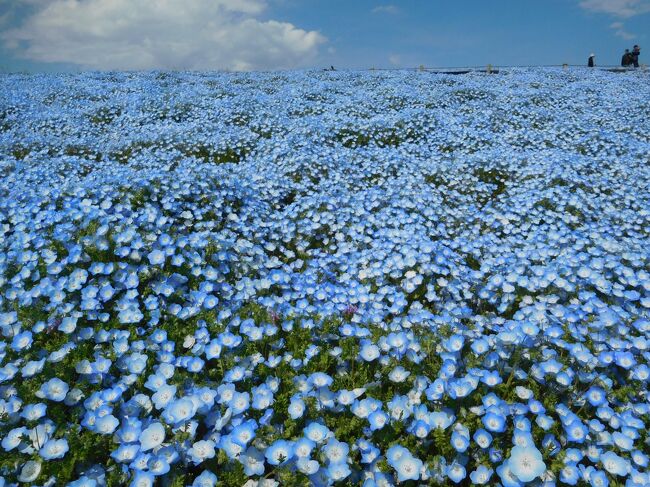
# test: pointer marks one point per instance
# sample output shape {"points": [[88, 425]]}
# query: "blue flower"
{"points": [[407, 467], [494, 422], [201, 451], [377, 420], [253, 461], [596, 396], [303, 447], [163, 396], [142, 479], [316, 432], [54, 389], [459, 441], [152, 436], [482, 438], [244, 433], [338, 471], [13, 438], [481, 475], [106, 425], [296, 408], [125, 453], [22, 341], [54, 449], [158, 465], [279, 452], [615, 464], [526, 463], [33, 412], [206, 479], [179, 411], [336, 451], [570, 474], [597, 478], [456, 472]]}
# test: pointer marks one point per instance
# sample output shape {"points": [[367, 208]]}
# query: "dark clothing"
{"points": [[590, 63], [626, 60], [635, 59]]}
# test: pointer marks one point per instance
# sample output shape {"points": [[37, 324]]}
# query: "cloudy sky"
{"points": [[46, 35]]}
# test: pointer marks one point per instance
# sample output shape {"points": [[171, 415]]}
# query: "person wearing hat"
{"points": [[635, 55], [590, 63]]}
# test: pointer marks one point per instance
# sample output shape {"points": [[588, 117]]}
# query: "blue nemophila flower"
{"points": [[54, 390], [201, 451], [125, 453], [206, 479], [494, 422], [378, 419], [338, 471], [303, 447], [179, 411], [316, 432], [369, 351], [152, 436], [596, 396], [54, 449], [244, 433], [398, 374], [13, 438], [596, 478], [106, 425], [456, 472], [22, 341], [296, 408], [336, 451], [405, 464], [615, 464], [163, 396], [459, 441], [158, 465], [142, 478], [253, 461], [526, 463], [481, 475], [570, 474], [482, 438], [29, 471], [279, 452], [34, 412]]}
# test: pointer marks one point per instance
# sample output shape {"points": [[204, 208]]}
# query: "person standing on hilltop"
{"points": [[626, 59], [635, 55], [590, 63]]}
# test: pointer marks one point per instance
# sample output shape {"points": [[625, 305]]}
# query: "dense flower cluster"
{"points": [[325, 278]]}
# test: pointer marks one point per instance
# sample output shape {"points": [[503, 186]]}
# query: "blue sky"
{"points": [[46, 35]]}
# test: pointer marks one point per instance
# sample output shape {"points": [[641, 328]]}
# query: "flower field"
{"points": [[325, 278]]}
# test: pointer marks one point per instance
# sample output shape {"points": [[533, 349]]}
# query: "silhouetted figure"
{"points": [[590, 63], [626, 60], [635, 56]]}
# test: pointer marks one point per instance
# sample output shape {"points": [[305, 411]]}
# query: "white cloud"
{"points": [[161, 34], [619, 31], [395, 59], [385, 9], [618, 8]]}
